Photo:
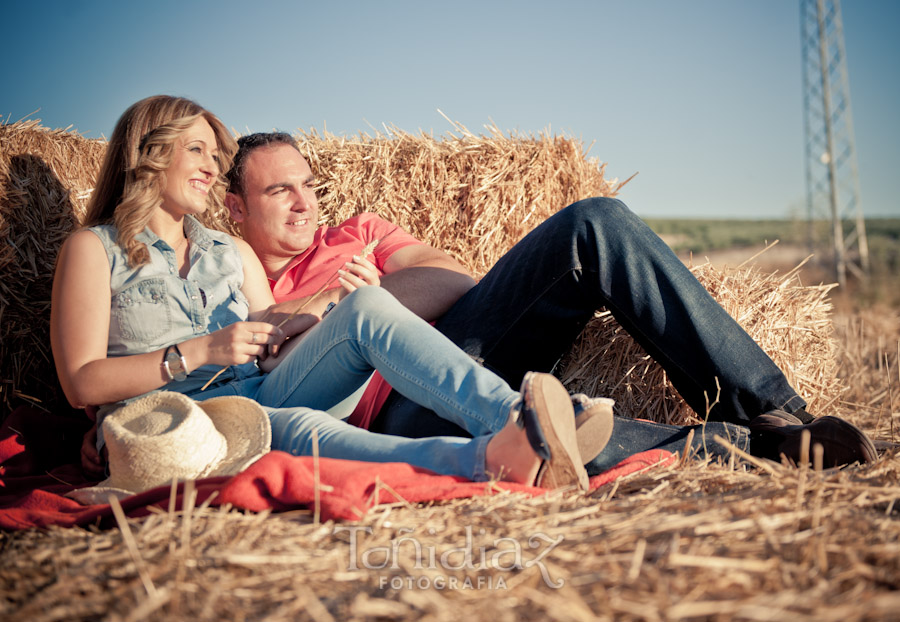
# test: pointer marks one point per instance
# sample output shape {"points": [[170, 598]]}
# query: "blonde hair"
{"points": [[133, 174]]}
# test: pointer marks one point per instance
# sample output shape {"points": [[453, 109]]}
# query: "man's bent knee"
{"points": [[596, 207]]}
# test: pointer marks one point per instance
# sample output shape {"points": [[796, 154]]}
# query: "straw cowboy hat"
{"points": [[167, 435]]}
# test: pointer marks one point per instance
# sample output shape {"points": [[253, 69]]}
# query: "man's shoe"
{"points": [[777, 432], [593, 424]]}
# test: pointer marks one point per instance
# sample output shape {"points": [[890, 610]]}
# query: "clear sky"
{"points": [[702, 97]]}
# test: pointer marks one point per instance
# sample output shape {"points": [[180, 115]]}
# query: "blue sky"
{"points": [[702, 97]]}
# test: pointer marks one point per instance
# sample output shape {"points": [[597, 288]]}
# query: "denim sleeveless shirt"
{"points": [[153, 307]]}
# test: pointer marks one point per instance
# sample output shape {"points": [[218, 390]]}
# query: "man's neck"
{"points": [[276, 266]]}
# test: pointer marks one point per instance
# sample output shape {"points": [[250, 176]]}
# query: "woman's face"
{"points": [[194, 168]]}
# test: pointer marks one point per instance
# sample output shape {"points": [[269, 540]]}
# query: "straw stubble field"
{"points": [[740, 540]]}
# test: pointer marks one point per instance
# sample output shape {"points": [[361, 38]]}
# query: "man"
{"points": [[526, 312]]}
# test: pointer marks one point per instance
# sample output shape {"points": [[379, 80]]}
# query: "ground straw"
{"points": [[699, 541]]}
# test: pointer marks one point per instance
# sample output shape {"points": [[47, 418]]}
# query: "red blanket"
{"points": [[39, 464]]}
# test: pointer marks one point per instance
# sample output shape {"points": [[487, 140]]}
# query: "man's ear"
{"points": [[235, 205]]}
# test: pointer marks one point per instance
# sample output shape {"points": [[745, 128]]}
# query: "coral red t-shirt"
{"points": [[330, 249]]}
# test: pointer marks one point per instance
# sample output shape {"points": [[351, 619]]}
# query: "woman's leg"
{"points": [[369, 330], [542, 433], [292, 431]]}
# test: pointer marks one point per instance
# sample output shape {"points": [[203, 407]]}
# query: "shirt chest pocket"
{"points": [[141, 312], [232, 308]]}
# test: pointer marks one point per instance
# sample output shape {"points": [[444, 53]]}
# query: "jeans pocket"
{"points": [[142, 312]]}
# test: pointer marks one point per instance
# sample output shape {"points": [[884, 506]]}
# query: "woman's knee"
{"points": [[370, 309], [368, 299]]}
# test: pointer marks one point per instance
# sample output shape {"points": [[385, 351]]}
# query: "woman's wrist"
{"points": [[174, 364], [192, 350]]}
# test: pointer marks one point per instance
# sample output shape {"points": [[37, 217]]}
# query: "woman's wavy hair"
{"points": [[133, 174]]}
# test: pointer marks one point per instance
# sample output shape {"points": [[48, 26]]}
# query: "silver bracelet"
{"points": [[174, 364]]}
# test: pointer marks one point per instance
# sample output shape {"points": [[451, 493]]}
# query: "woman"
{"points": [[146, 298]]}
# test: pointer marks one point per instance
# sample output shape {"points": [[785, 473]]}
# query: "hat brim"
{"points": [[241, 421], [98, 495], [246, 428]]}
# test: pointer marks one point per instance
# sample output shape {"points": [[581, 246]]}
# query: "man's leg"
{"points": [[631, 436], [526, 312]]}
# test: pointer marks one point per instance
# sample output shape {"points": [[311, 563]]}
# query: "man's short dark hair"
{"points": [[246, 145]]}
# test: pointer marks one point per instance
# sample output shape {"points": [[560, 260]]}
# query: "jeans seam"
{"points": [[790, 401]]}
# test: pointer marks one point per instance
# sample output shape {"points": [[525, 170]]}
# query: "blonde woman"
{"points": [[146, 298]]}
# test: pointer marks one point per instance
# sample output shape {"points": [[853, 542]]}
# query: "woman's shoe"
{"points": [[549, 422], [593, 424]]}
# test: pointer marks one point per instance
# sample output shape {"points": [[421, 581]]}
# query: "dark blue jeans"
{"points": [[528, 310]]}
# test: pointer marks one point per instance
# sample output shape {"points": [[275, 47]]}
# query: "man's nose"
{"points": [[301, 201]]}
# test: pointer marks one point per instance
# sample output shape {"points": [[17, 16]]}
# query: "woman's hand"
{"points": [[243, 342], [358, 272]]}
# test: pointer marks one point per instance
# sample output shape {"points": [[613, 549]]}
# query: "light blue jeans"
{"points": [[370, 330]]}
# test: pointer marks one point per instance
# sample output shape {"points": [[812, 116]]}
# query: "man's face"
{"points": [[279, 211]]}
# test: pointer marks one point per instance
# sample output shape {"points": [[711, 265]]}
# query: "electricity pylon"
{"points": [[832, 177]]}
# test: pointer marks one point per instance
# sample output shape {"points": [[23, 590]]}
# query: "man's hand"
{"points": [[299, 325], [358, 272]]}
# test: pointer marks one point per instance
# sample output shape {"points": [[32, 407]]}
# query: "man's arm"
{"points": [[426, 280]]}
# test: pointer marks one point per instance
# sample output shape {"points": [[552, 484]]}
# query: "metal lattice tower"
{"points": [[832, 178]]}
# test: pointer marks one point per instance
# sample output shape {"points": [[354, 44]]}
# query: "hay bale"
{"points": [[45, 180], [473, 196]]}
